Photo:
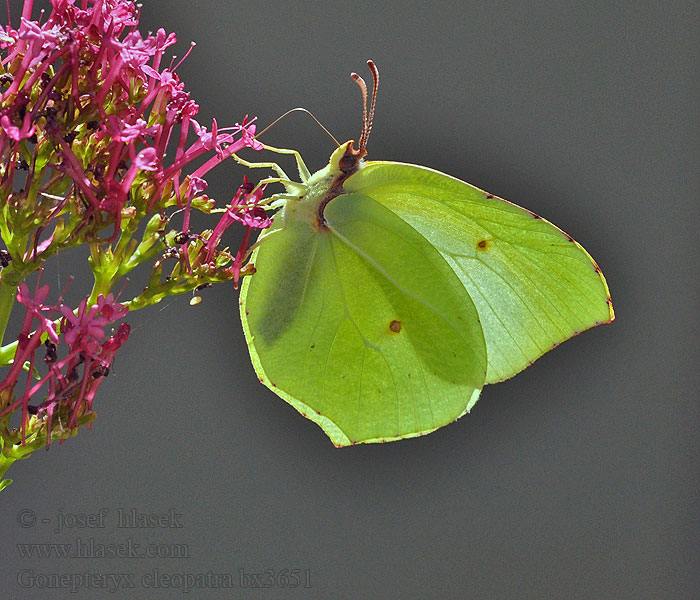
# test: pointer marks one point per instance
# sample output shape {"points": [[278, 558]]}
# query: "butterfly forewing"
{"points": [[532, 284]]}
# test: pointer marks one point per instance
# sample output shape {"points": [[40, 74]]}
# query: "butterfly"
{"points": [[386, 295]]}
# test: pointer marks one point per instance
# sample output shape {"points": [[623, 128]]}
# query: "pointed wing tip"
{"points": [[611, 310]]}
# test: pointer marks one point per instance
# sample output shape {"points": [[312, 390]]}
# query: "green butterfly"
{"points": [[386, 295]]}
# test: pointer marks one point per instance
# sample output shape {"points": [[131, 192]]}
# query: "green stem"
{"points": [[11, 452], [8, 293], [5, 462]]}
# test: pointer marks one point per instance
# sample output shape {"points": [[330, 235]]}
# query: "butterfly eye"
{"points": [[347, 163]]}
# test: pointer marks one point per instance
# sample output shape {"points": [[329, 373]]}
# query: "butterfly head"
{"points": [[346, 159], [309, 202]]}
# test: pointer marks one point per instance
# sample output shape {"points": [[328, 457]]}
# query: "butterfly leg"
{"points": [[304, 174], [279, 200], [290, 185], [262, 165]]}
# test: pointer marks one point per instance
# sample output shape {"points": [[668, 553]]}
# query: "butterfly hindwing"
{"points": [[362, 325]]}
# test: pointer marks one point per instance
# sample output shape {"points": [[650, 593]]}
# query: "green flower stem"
{"points": [[7, 354], [10, 453], [8, 293], [11, 448], [5, 463]]}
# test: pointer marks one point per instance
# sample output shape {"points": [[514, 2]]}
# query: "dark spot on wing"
{"points": [[395, 326], [482, 244], [489, 196]]}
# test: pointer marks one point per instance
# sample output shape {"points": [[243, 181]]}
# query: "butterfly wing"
{"points": [[532, 284], [363, 327]]}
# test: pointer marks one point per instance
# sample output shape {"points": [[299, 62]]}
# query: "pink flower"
{"points": [[17, 133], [110, 309], [255, 217], [196, 186], [85, 330], [247, 132], [146, 160], [37, 309], [209, 140], [8, 37], [122, 131]]}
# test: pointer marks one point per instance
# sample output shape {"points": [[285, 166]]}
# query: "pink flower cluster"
{"points": [[73, 380], [87, 111], [106, 111]]}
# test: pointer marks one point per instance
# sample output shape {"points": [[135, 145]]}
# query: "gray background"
{"points": [[576, 479]]}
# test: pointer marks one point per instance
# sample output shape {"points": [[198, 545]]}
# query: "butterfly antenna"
{"points": [[367, 118], [363, 86], [375, 87], [289, 112]]}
